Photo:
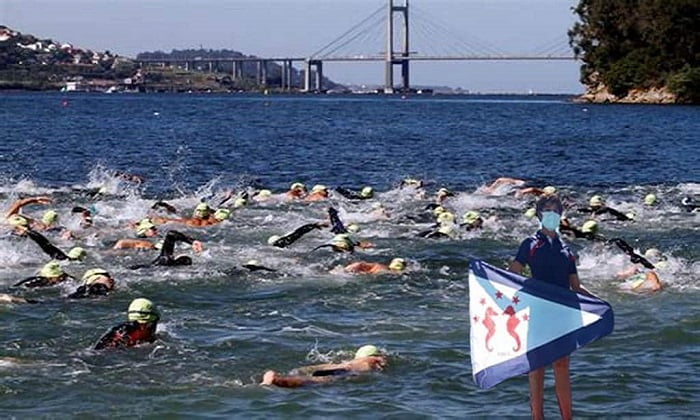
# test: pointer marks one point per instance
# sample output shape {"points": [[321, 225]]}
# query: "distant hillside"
{"points": [[31, 63], [249, 69]]}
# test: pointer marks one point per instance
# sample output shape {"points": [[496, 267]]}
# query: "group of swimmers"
{"points": [[143, 315]]}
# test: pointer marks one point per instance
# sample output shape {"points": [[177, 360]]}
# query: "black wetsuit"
{"points": [[604, 210], [289, 239], [337, 226], [92, 290], [126, 335], [166, 257], [350, 195], [39, 281], [477, 224], [46, 246]]}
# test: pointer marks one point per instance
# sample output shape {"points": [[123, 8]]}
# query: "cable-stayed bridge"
{"points": [[386, 35]]}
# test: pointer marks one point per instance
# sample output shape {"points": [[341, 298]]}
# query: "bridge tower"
{"points": [[402, 57]]}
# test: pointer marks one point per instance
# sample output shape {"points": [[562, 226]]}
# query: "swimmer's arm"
{"points": [[17, 205], [299, 381], [629, 272], [133, 244]]}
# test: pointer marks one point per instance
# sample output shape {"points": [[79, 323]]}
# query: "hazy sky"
{"points": [[301, 27]]}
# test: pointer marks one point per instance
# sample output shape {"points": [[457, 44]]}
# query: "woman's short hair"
{"points": [[546, 201]]}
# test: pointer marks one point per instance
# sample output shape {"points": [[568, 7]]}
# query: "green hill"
{"points": [[639, 50]]}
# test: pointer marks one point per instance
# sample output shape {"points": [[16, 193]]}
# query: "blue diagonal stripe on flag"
{"points": [[520, 324]]}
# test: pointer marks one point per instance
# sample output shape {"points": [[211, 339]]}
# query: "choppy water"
{"points": [[221, 329]]}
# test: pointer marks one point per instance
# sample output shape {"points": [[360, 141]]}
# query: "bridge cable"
{"points": [[349, 31]]}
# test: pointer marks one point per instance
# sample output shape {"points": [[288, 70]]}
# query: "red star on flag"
{"points": [[525, 317], [499, 295], [516, 300]]}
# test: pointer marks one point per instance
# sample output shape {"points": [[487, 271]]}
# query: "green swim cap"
{"points": [[17, 220], [263, 193], [202, 210], [437, 211], [367, 351], [77, 253], [650, 200], [93, 274], [240, 202], [272, 239], [596, 201], [397, 264], [50, 216], [222, 214], [353, 228], [549, 190], [142, 310], [446, 217], [144, 226], [470, 217], [530, 213], [590, 226], [51, 269], [447, 229], [367, 192]]}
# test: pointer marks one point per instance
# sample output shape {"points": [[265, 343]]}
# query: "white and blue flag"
{"points": [[520, 324]]}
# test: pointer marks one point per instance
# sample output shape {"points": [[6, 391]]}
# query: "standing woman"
{"points": [[550, 260]]}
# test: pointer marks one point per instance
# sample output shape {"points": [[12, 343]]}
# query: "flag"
{"points": [[520, 324]]}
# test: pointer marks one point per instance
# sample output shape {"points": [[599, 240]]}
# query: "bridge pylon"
{"points": [[402, 57]]}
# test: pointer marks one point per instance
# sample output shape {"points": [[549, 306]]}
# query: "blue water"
{"points": [[221, 329]]}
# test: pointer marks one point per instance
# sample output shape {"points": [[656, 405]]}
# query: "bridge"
{"points": [[391, 22]]}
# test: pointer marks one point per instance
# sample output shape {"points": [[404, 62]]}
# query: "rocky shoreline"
{"points": [[599, 94]]}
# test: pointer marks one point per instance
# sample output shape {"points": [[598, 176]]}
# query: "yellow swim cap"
{"points": [[652, 253], [263, 194], [240, 202], [77, 253], [367, 351], [144, 226], [17, 220], [319, 188], [447, 229], [272, 239], [444, 191], [93, 274], [50, 216], [252, 262], [343, 241], [222, 214], [446, 217], [650, 200], [596, 201], [470, 217], [437, 211], [353, 228], [51, 270], [367, 192], [530, 213], [397, 264], [202, 210], [549, 190], [590, 226], [142, 310], [298, 186]]}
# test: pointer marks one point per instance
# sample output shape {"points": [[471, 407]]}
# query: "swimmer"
{"points": [[75, 254], [49, 275], [15, 218], [689, 204], [96, 282], [396, 265], [472, 220], [442, 195], [500, 183], [167, 249], [444, 228], [365, 194], [589, 229], [596, 207], [85, 216], [296, 191], [548, 190], [640, 280], [367, 359], [650, 200], [262, 195], [202, 216], [318, 193], [144, 229], [169, 208], [10, 299], [290, 238], [140, 328]]}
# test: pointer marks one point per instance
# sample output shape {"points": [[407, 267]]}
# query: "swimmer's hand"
{"points": [[197, 246], [268, 377]]}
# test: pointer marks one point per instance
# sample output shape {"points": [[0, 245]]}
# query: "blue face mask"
{"points": [[550, 220]]}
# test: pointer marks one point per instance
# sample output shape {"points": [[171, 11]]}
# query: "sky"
{"points": [[298, 28]]}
